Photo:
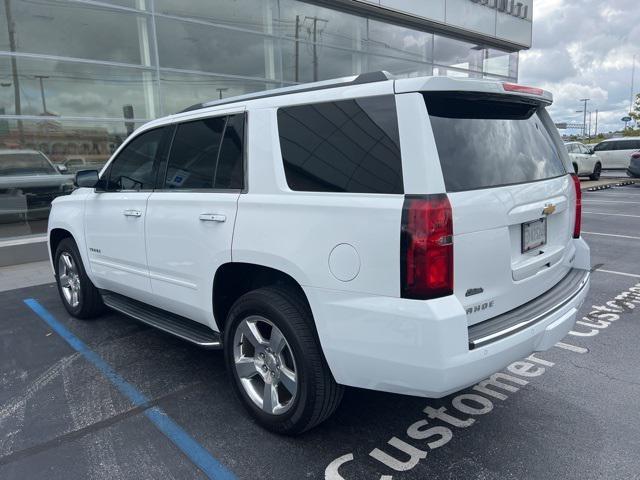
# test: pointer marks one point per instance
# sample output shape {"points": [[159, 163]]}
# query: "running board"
{"points": [[181, 327]]}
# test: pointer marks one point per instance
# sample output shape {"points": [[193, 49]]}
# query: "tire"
{"points": [[315, 396], [87, 302], [597, 170]]}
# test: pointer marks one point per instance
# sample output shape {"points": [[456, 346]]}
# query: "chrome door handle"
{"points": [[212, 217], [132, 213]]}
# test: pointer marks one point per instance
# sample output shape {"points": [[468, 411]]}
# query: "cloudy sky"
{"points": [[584, 49]]}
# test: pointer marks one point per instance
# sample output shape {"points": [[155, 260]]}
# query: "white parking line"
{"points": [[612, 235], [607, 201], [613, 214], [617, 273]]}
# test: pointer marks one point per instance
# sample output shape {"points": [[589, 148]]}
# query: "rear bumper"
{"points": [[633, 171], [423, 348]]}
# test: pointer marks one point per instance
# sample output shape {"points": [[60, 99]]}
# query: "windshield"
{"points": [[14, 164], [489, 140]]}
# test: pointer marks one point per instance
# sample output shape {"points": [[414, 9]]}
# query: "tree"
{"points": [[635, 109]]}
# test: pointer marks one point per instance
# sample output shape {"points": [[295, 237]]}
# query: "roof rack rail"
{"points": [[369, 77]]}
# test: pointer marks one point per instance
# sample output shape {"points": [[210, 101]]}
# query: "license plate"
{"points": [[534, 234]]}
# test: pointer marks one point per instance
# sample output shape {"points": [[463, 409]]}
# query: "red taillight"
{"points": [[426, 251], [514, 87], [578, 220]]}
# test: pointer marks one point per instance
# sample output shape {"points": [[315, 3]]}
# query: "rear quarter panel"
{"points": [[296, 232]]}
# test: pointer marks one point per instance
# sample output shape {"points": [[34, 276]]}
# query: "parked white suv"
{"points": [[615, 153], [411, 236], [585, 162]]}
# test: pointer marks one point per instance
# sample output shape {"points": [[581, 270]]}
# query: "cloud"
{"points": [[584, 49]]}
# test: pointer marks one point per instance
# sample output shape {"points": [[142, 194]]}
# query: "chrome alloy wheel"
{"points": [[69, 279], [265, 365]]}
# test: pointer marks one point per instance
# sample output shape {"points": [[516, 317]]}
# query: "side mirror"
{"points": [[62, 168], [591, 151], [86, 179]]}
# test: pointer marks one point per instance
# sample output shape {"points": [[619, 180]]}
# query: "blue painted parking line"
{"points": [[181, 439]]}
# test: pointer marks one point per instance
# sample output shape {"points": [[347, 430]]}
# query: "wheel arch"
{"points": [[234, 279], [56, 235]]}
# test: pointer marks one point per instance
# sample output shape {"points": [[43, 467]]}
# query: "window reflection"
{"points": [[78, 30], [192, 46], [75, 89], [312, 62], [456, 53], [393, 40], [306, 22], [180, 91], [37, 163], [245, 14]]}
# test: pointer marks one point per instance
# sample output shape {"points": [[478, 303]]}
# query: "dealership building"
{"points": [[77, 76]]}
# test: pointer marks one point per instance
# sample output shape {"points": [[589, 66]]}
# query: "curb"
{"points": [[608, 185]]}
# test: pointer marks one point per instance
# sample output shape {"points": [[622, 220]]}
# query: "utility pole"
{"points": [[584, 110], [590, 125], [220, 90], [297, 50], [11, 27], [44, 102], [595, 133], [315, 21], [633, 74]]}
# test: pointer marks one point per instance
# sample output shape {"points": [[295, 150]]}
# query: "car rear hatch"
{"points": [[512, 200]]}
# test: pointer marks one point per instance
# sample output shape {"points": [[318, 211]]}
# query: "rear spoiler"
{"points": [[406, 85]]}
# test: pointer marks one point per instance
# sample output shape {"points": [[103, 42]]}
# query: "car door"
{"points": [[605, 152], [115, 215], [575, 155], [586, 160], [191, 215]]}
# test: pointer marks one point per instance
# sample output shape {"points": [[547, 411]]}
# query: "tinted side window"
{"points": [[629, 144], [229, 172], [602, 147], [343, 146], [194, 151], [133, 169]]}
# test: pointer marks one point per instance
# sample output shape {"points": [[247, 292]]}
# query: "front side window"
{"points": [[488, 141], [194, 151], [604, 147], [133, 168], [343, 146]]}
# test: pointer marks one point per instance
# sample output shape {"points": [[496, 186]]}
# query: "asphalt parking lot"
{"points": [[113, 399]]}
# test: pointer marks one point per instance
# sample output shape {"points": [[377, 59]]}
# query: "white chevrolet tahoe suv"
{"points": [[410, 236]]}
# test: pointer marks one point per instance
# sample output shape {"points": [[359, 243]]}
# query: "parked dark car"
{"points": [[634, 165], [29, 182]]}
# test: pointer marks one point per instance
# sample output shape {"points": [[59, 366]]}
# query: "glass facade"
{"points": [[76, 76]]}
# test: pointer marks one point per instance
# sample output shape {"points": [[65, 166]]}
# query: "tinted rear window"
{"points": [[343, 146], [489, 141]]}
